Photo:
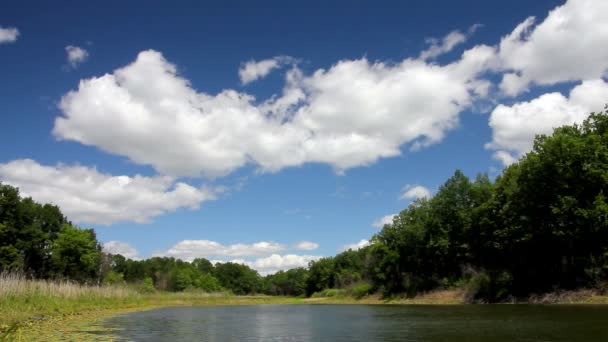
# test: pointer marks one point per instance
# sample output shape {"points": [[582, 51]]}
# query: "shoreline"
{"points": [[86, 323]]}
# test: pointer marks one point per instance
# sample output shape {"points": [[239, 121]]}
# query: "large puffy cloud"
{"points": [[349, 115], [190, 249], [569, 45], [122, 248], [88, 196], [514, 127], [8, 34]]}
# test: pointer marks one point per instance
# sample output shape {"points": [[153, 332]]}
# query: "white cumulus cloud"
{"points": [[190, 249], [262, 256], [76, 55], [355, 246], [415, 192], [306, 246], [384, 220], [122, 248], [88, 196], [348, 115], [568, 45], [8, 35], [514, 127], [276, 262]]}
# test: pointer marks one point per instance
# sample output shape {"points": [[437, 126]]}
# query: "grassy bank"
{"points": [[30, 308], [57, 311]]}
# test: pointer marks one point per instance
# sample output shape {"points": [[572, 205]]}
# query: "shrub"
{"points": [[329, 293], [361, 290], [146, 286]]}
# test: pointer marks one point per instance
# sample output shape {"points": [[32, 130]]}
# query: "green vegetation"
{"points": [[541, 226], [30, 303], [539, 230]]}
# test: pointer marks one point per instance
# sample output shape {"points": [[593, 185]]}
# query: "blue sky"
{"points": [[237, 131]]}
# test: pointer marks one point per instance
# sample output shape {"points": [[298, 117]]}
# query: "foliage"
{"points": [[27, 230], [286, 283], [113, 278], [542, 225], [75, 253], [361, 290], [238, 278]]}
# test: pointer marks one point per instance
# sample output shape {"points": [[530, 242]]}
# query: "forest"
{"points": [[539, 226]]}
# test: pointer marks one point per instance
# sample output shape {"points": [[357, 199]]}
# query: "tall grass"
{"points": [[23, 301], [15, 285]]}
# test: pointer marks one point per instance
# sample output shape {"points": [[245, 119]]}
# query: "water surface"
{"points": [[365, 323]]}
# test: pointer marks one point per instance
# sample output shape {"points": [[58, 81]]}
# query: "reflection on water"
{"points": [[366, 323]]}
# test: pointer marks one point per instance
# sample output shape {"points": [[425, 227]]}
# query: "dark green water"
{"points": [[366, 323]]}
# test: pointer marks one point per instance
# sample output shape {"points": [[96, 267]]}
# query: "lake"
{"points": [[365, 323]]}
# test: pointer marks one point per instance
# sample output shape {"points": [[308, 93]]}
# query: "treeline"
{"points": [[39, 241], [170, 274], [542, 225]]}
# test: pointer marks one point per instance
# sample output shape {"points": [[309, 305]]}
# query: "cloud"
{"points": [[349, 115], [88, 196], [122, 248], [415, 192], [447, 44], [384, 220], [268, 258], [76, 55], [514, 127], [190, 249], [569, 45], [306, 246], [254, 70], [8, 35], [276, 262], [355, 246]]}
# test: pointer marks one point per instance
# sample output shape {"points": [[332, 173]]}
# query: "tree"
{"points": [[207, 283], [553, 211], [76, 254], [287, 283], [26, 232], [183, 279], [238, 278], [202, 265], [349, 267], [320, 275]]}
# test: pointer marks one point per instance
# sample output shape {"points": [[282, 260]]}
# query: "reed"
{"points": [[15, 285], [27, 302]]}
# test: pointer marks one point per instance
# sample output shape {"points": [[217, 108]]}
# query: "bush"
{"points": [[329, 293], [146, 286], [487, 287], [477, 287], [361, 290], [207, 283], [113, 278]]}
